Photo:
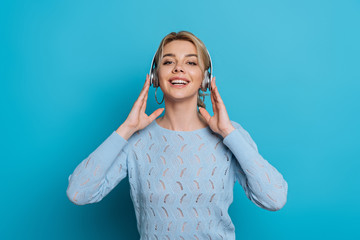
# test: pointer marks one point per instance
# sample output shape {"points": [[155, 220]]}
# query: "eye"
{"points": [[192, 63], [167, 62]]}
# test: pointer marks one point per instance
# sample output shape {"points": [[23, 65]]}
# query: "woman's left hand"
{"points": [[220, 122]]}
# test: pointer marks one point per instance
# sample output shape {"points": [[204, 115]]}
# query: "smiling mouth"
{"points": [[178, 82]]}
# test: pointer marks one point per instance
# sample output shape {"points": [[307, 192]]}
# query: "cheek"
{"points": [[163, 71], [197, 74], [160, 74]]}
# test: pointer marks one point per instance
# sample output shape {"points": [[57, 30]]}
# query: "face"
{"points": [[179, 73]]}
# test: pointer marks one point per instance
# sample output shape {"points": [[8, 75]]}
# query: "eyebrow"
{"points": [[173, 55]]}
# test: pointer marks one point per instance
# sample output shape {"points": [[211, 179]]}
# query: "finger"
{"points": [[218, 101], [145, 83], [205, 114], [215, 90], [143, 107], [144, 91], [212, 90], [155, 114], [145, 87], [213, 86], [217, 94], [213, 101]]}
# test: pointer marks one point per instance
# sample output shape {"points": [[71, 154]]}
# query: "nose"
{"points": [[178, 68]]}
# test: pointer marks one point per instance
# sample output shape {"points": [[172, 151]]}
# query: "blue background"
{"points": [[288, 72]]}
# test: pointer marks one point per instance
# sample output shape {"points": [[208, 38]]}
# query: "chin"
{"points": [[179, 97]]}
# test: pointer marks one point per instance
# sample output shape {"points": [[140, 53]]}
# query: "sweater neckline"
{"points": [[183, 132]]}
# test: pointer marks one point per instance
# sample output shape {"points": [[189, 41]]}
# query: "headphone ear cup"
{"points": [[156, 80], [151, 79], [205, 85], [153, 76], [209, 81]]}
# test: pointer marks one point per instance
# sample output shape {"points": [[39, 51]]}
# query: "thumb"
{"points": [[205, 114], [155, 114]]}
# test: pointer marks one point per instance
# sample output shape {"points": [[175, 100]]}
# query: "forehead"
{"points": [[179, 47]]}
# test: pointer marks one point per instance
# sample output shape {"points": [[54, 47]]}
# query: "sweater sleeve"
{"points": [[100, 172], [262, 183]]}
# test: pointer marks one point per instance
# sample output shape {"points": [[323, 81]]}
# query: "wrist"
{"points": [[227, 131], [125, 131]]}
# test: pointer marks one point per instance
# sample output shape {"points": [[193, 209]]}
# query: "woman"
{"points": [[182, 167]]}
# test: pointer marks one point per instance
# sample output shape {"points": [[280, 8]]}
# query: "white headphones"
{"points": [[206, 83]]}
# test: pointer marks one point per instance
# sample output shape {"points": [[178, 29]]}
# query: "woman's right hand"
{"points": [[137, 118]]}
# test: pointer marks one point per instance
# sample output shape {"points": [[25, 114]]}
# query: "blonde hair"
{"points": [[204, 60]]}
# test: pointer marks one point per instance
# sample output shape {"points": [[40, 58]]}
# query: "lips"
{"points": [[179, 81]]}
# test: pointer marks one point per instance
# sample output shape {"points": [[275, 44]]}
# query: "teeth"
{"points": [[178, 82]]}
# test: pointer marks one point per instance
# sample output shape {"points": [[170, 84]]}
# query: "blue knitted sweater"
{"points": [[181, 182]]}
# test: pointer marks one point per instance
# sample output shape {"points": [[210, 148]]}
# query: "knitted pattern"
{"points": [[181, 182]]}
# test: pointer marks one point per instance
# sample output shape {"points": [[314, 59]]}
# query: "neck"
{"points": [[181, 116]]}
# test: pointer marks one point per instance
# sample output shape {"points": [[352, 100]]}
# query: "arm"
{"points": [[103, 169], [100, 172], [262, 183]]}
